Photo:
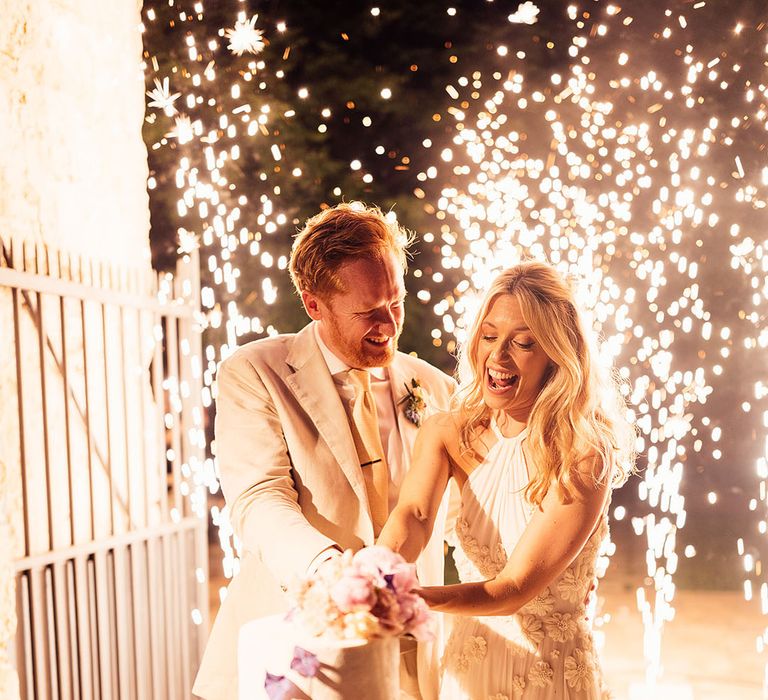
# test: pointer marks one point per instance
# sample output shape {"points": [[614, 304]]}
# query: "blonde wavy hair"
{"points": [[579, 416]]}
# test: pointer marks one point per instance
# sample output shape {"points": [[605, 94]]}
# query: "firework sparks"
{"points": [[162, 98], [636, 177], [245, 38]]}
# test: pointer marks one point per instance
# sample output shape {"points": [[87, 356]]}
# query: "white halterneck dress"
{"points": [[546, 649]]}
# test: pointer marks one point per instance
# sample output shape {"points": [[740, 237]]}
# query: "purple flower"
{"points": [[278, 687], [376, 560], [353, 592], [305, 662]]}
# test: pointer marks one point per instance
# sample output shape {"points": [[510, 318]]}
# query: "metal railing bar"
{"points": [[93, 624], [126, 428], [24, 654], [38, 617], [159, 397], [44, 404], [144, 385], [108, 427], [85, 414], [37, 561], [171, 629], [54, 652], [82, 616], [182, 584], [67, 436], [172, 354], [20, 405], [122, 632], [156, 619], [35, 282], [73, 629]]}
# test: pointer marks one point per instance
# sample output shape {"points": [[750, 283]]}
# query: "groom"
{"points": [[313, 438]]}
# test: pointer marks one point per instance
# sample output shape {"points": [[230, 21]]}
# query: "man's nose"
{"points": [[387, 322]]}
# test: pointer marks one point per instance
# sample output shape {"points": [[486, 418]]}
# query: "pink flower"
{"points": [[403, 577], [352, 593], [376, 561], [420, 622]]}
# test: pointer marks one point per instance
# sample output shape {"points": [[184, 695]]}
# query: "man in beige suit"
{"points": [[287, 435]]}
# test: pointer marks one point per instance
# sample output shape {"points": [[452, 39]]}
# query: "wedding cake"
{"points": [[340, 640], [276, 660]]}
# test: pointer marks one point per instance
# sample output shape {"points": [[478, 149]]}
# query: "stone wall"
{"points": [[72, 176]]}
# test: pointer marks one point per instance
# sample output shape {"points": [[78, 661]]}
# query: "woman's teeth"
{"points": [[501, 380]]}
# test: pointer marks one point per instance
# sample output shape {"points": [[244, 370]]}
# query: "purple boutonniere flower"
{"points": [[305, 662], [413, 402]]}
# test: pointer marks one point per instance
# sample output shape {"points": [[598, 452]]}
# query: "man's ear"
{"points": [[312, 305]]}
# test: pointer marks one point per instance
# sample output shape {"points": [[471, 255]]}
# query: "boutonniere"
{"points": [[413, 402]]}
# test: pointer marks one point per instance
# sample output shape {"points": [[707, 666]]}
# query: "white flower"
{"points": [[570, 587], [542, 604], [162, 97], [526, 13], [475, 648], [541, 674], [561, 626], [578, 670], [245, 37], [460, 662], [532, 629]]}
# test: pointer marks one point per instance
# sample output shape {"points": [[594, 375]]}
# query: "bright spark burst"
{"points": [[162, 98], [245, 38], [526, 13], [183, 130]]}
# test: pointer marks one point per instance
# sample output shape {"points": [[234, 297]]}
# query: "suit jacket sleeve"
{"points": [[256, 475]]}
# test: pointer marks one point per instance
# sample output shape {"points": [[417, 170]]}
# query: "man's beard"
{"points": [[358, 353]]}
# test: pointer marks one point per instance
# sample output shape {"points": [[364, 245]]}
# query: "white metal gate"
{"points": [[111, 571]]}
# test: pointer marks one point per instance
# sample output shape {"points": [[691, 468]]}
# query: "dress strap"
{"points": [[495, 428], [497, 431]]}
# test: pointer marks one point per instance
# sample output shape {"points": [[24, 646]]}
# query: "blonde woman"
{"points": [[536, 442]]}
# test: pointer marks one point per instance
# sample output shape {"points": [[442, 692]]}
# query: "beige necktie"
{"points": [[365, 430]]}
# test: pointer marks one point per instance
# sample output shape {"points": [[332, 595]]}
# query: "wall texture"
{"points": [[73, 175]]}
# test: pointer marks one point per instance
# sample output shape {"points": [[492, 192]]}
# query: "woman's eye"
{"points": [[524, 346]]}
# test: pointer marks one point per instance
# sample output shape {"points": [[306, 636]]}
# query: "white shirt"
{"points": [[385, 412]]}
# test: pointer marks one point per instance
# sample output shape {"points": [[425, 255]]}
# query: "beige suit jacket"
{"points": [[292, 480]]}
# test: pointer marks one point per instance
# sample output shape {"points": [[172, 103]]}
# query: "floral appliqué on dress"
{"points": [[561, 627], [579, 669], [473, 650], [541, 674]]}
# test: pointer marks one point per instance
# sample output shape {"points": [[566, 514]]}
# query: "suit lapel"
{"points": [[314, 389]]}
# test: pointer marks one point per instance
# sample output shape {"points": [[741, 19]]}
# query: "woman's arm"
{"points": [[553, 538], [410, 524]]}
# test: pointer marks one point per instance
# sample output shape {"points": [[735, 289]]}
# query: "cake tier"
{"points": [[349, 669]]}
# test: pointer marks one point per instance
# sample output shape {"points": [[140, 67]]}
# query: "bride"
{"points": [[535, 443]]}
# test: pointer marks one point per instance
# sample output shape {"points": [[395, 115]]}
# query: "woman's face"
{"points": [[510, 361]]}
